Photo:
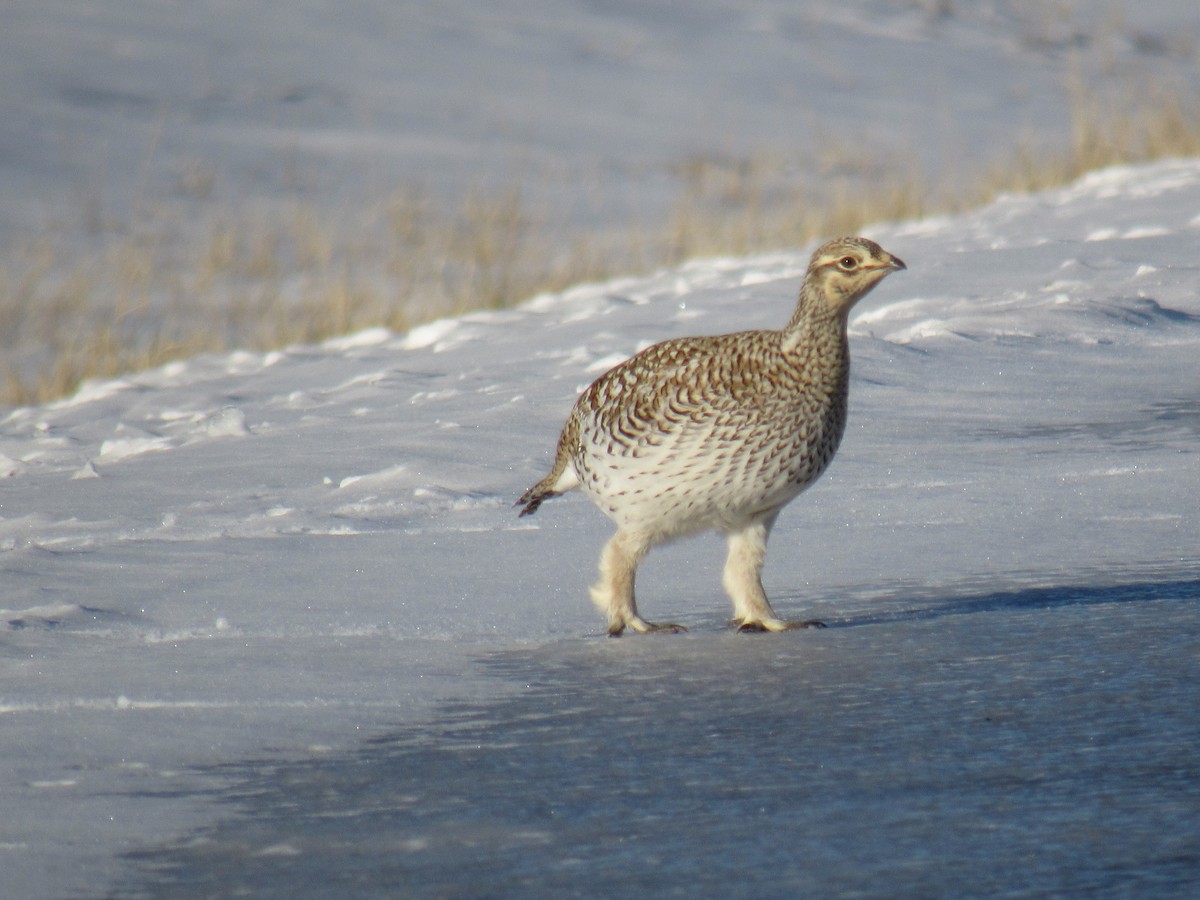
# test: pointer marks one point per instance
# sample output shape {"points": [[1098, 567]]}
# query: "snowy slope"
{"points": [[277, 557], [133, 116]]}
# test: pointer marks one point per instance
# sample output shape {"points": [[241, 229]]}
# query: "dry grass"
{"points": [[1159, 122], [265, 280]]}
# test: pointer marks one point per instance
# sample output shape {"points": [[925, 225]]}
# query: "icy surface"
{"points": [[1034, 742], [271, 621]]}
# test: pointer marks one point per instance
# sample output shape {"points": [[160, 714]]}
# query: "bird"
{"points": [[716, 433]]}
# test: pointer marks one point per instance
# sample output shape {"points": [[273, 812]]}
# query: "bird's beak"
{"points": [[896, 262]]}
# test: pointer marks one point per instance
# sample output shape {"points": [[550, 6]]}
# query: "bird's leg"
{"points": [[613, 593], [743, 581]]}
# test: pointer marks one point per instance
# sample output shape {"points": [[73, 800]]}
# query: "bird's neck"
{"points": [[817, 329]]}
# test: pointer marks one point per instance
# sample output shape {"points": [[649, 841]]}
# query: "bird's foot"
{"points": [[760, 625], [641, 626]]}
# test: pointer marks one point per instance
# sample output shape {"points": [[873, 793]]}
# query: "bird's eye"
{"points": [[848, 263]]}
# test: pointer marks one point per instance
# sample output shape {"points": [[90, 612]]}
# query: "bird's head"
{"points": [[844, 270]]}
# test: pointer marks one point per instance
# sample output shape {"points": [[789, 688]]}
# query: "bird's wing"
{"points": [[668, 389]]}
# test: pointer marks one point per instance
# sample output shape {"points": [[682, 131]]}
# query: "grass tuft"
{"points": [[263, 281]]}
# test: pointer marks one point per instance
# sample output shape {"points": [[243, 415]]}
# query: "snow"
{"points": [[279, 558], [270, 624], [120, 115]]}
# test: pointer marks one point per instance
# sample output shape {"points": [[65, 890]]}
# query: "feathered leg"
{"points": [[743, 581], [613, 593]]}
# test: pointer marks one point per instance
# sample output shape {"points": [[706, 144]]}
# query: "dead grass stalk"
{"points": [[262, 282]]}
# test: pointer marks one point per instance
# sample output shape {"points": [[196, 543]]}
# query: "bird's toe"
{"points": [[753, 626], [804, 623], [641, 626]]}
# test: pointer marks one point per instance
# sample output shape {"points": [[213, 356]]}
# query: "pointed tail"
{"points": [[536, 495], [562, 476]]}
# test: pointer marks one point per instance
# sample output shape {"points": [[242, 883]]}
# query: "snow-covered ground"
{"points": [[135, 116], [269, 622], [288, 594]]}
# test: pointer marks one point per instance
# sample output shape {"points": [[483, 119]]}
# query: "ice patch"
{"points": [[117, 449], [87, 470], [930, 227], [370, 337], [301, 400], [279, 850], [428, 335], [372, 479], [604, 363], [229, 422], [889, 310], [91, 391], [1145, 231], [576, 356], [243, 362], [752, 277], [369, 378], [426, 396], [929, 328], [179, 415]]}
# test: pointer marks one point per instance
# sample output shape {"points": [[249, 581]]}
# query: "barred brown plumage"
{"points": [[716, 432]]}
